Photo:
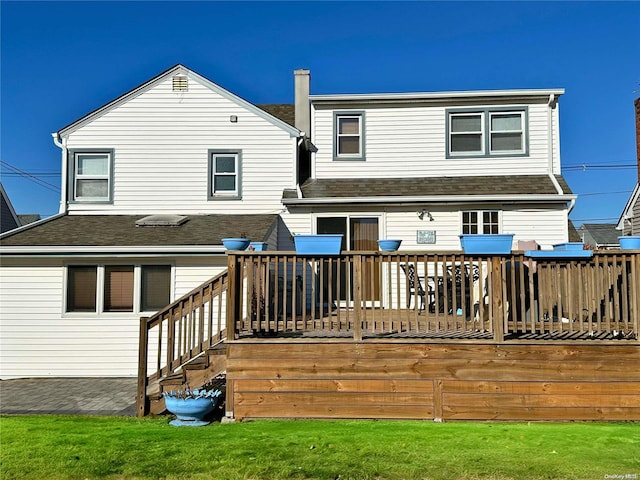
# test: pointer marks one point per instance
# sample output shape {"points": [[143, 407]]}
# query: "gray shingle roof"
{"points": [[432, 186], [602, 233], [121, 230]]}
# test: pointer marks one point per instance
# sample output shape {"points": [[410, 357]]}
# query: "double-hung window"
{"points": [[487, 132], [224, 176], [506, 132], [117, 288], [485, 222], [92, 173], [349, 136]]}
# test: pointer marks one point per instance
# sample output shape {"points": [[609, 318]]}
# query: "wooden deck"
{"points": [[354, 336]]}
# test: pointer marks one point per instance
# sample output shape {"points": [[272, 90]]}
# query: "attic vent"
{"points": [[180, 83], [162, 221]]}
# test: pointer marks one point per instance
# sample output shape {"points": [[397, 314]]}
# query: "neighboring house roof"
{"points": [[284, 111], [574, 236], [627, 211], [434, 188], [8, 218], [169, 73], [27, 218], [82, 233], [603, 234]]}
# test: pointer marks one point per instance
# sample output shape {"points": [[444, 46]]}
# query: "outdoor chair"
{"points": [[414, 286]]}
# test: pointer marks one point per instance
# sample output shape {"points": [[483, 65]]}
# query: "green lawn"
{"points": [[75, 447]]}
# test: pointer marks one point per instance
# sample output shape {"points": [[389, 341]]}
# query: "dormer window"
{"points": [[91, 174], [349, 136], [487, 132]]}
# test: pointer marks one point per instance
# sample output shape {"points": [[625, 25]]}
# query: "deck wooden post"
{"points": [[357, 297], [497, 299], [234, 304], [143, 349]]}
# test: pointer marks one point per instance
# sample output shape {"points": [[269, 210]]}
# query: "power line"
{"points": [[29, 176], [592, 219], [601, 166], [603, 193]]}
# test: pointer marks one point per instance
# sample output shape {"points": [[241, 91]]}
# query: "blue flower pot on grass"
{"points": [[190, 412]]}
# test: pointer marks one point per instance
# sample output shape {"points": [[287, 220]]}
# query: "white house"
{"points": [[153, 180], [629, 222]]}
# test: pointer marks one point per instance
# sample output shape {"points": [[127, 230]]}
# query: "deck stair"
{"points": [[192, 375]]}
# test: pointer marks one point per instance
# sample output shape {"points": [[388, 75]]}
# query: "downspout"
{"points": [[63, 181], [551, 104]]}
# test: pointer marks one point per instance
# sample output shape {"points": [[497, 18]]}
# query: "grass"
{"points": [[76, 447]]}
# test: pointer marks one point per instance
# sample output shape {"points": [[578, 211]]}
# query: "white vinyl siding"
{"points": [[161, 141], [410, 140], [38, 339], [546, 226]]}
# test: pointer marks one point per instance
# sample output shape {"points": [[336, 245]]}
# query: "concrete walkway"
{"points": [[83, 396]]}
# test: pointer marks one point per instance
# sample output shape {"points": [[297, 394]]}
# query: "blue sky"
{"points": [[61, 60]]}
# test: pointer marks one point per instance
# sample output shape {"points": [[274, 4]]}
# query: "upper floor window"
{"points": [[91, 174], [485, 222], [349, 136], [117, 288], [487, 132], [224, 178]]}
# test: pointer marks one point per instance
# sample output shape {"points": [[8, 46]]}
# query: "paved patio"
{"points": [[82, 396]]}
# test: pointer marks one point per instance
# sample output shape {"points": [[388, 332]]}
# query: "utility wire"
{"points": [[28, 176], [602, 166], [603, 193]]}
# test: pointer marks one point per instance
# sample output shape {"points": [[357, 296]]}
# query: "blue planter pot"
{"points": [[258, 246], [236, 243], [389, 245], [629, 242], [569, 246], [190, 412], [487, 244], [321, 244]]}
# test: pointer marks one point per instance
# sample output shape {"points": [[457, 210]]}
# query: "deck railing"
{"points": [[451, 295], [180, 332]]}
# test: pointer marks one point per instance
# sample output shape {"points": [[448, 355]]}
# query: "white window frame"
{"points": [[480, 221], [101, 283], [337, 155], [76, 176], [225, 194], [521, 131]]}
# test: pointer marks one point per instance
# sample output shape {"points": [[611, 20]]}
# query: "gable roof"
{"points": [[627, 211], [119, 233], [435, 189], [8, 218], [175, 70]]}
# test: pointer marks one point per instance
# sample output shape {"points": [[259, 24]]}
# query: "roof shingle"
{"points": [[121, 230]]}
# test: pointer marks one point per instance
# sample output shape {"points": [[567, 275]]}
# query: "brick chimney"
{"points": [[301, 98]]}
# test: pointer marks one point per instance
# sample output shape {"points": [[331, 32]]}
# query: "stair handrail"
{"points": [[185, 329]]}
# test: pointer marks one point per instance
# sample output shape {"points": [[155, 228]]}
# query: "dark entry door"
{"points": [[359, 234]]}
